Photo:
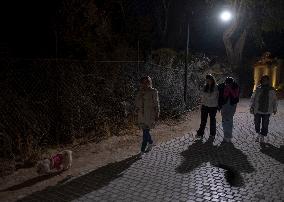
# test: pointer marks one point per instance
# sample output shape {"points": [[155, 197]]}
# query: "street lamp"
{"points": [[185, 67], [226, 16]]}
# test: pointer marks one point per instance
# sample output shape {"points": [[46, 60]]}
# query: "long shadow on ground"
{"points": [[83, 185], [31, 182], [225, 156], [273, 152]]}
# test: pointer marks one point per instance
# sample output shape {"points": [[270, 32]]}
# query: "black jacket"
{"points": [[222, 100]]}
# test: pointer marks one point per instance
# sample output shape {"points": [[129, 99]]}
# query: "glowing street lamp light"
{"points": [[226, 16]]}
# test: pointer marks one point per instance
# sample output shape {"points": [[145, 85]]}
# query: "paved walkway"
{"points": [[183, 170]]}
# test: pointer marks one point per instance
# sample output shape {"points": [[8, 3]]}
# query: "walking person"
{"points": [[229, 93], [148, 111], [263, 104], [209, 104]]}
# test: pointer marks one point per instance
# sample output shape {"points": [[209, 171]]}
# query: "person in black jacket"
{"points": [[229, 94]]}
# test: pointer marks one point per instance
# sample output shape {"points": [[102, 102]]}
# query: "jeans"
{"points": [[146, 139], [264, 120], [204, 115], [228, 112]]}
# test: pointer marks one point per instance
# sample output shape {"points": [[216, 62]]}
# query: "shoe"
{"points": [[258, 139], [198, 136], [211, 138], [149, 148], [261, 139]]}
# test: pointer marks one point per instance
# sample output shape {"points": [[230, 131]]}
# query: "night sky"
{"points": [[28, 29]]}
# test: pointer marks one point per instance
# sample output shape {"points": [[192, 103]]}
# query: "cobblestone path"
{"points": [[187, 170]]}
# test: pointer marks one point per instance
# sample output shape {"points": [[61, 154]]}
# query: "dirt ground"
{"points": [[91, 156]]}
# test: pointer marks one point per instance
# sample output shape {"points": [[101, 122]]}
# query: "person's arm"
{"points": [[137, 101], [235, 92], [219, 97], [274, 102], [252, 102], [238, 92], [202, 97], [156, 102]]}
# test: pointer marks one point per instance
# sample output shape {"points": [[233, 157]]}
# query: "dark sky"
{"points": [[28, 29], [28, 26]]}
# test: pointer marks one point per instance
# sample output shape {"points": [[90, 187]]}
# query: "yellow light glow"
{"points": [[274, 76], [261, 70], [256, 77]]}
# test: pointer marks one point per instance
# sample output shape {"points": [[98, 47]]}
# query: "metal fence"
{"points": [[54, 101]]}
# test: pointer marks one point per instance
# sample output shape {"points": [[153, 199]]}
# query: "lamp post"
{"points": [[186, 66]]}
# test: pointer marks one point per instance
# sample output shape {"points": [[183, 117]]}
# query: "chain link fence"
{"points": [[49, 102]]}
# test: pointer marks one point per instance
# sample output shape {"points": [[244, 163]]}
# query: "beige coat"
{"points": [[147, 108], [272, 107]]}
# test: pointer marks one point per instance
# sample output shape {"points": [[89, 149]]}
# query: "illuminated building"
{"points": [[272, 67]]}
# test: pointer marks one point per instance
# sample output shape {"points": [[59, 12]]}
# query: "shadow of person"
{"points": [[273, 152], [31, 182], [70, 190], [225, 156], [234, 162], [195, 155]]}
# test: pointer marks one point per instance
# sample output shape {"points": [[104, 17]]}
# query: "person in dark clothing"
{"points": [[229, 94]]}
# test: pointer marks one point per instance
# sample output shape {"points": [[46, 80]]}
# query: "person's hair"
{"points": [[146, 78], [265, 77], [210, 88], [229, 80]]}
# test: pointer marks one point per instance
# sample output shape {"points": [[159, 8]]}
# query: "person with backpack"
{"points": [[229, 94], [263, 104]]}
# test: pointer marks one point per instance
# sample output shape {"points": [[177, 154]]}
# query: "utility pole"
{"points": [[186, 66], [138, 58], [56, 44]]}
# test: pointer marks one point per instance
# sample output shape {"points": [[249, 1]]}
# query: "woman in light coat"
{"points": [[263, 104], [148, 111], [209, 104]]}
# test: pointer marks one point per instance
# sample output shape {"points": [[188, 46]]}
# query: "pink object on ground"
{"points": [[56, 161]]}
